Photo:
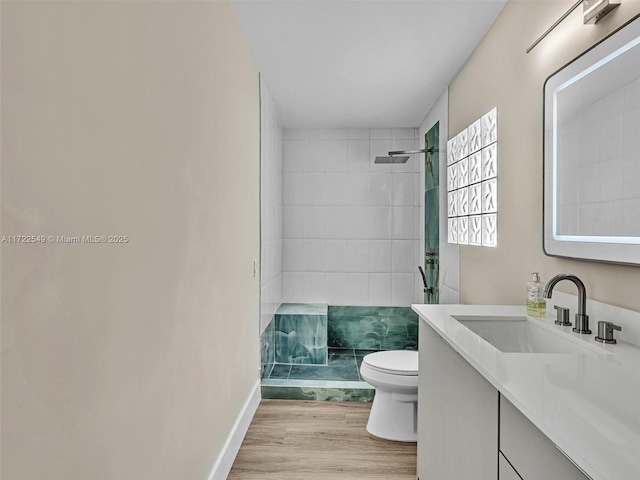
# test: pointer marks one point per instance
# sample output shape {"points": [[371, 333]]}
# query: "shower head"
{"points": [[392, 159], [401, 156]]}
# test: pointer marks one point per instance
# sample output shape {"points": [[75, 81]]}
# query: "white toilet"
{"points": [[394, 374]]}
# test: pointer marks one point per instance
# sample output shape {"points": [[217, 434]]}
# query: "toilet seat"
{"points": [[393, 362]]}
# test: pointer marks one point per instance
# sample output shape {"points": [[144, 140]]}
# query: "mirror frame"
{"points": [[593, 248]]}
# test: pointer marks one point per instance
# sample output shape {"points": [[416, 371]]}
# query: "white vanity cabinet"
{"points": [[468, 430], [457, 415], [531, 454]]}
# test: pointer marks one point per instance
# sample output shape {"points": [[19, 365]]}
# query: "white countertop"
{"points": [[588, 403]]}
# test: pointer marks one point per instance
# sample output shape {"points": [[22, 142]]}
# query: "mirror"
{"points": [[592, 153]]}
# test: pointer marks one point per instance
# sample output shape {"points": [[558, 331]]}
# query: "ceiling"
{"points": [[361, 63]]}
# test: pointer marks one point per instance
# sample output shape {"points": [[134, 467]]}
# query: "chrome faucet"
{"points": [[582, 319]]}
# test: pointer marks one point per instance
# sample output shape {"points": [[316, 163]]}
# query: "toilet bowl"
{"points": [[394, 375]]}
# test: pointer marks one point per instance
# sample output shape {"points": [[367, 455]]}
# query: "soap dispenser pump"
{"points": [[536, 303]]}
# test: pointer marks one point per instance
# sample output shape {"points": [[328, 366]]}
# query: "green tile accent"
{"points": [[350, 333], [359, 363], [302, 309], [341, 367], [362, 353], [267, 349], [301, 334], [373, 328], [432, 214], [432, 160], [319, 393], [340, 352], [280, 371]]}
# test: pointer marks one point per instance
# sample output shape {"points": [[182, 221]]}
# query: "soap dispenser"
{"points": [[536, 303]]}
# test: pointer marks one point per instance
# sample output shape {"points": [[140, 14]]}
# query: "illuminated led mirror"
{"points": [[592, 153]]}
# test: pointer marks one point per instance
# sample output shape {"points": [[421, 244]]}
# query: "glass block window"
{"points": [[472, 183]]}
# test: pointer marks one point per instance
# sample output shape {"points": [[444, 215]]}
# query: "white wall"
{"points": [[131, 360], [270, 207], [449, 279], [500, 73], [350, 227]]}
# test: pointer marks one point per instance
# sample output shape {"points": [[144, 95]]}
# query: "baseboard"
{"points": [[223, 464]]}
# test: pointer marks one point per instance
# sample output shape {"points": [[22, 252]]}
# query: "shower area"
{"points": [[344, 231], [316, 349]]}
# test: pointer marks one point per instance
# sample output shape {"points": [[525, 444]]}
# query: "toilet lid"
{"points": [[398, 362]]}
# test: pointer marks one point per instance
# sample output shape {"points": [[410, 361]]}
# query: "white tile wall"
{"points": [[314, 222], [349, 225], [631, 167], [336, 133], [315, 287], [359, 134], [274, 158], [292, 157], [292, 188], [631, 217], [402, 288], [403, 256], [380, 222], [358, 156], [292, 222], [404, 189], [314, 256], [379, 256], [336, 288], [293, 134], [358, 256], [293, 255], [380, 288], [358, 288], [292, 286], [380, 133], [336, 155], [358, 189], [358, 222], [336, 259], [381, 188], [336, 188], [337, 222], [403, 223], [314, 189], [314, 156]]}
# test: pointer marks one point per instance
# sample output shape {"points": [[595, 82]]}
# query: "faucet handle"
{"points": [[605, 332], [562, 316]]}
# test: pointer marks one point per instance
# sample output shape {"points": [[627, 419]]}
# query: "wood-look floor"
{"points": [[302, 440]]}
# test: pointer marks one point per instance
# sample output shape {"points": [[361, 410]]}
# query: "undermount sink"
{"points": [[518, 335]]}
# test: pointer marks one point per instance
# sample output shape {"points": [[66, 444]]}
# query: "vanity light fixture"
{"points": [[592, 12]]}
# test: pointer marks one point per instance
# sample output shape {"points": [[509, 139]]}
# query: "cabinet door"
{"points": [[505, 470], [529, 451], [457, 415]]}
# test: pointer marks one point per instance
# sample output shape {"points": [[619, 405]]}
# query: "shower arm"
{"points": [[411, 152]]}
